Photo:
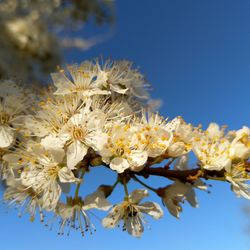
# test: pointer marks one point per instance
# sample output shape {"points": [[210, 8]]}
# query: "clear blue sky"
{"points": [[196, 55]]}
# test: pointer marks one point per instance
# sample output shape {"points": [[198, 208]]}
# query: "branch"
{"points": [[183, 175], [189, 175]]}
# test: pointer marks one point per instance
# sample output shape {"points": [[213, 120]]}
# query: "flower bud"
{"points": [[97, 161], [106, 189]]}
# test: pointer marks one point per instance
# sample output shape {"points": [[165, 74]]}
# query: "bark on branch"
{"points": [[183, 175]]}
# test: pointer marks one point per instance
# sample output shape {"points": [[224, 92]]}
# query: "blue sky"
{"points": [[196, 55]]}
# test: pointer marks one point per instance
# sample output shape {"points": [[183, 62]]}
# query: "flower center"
{"points": [[52, 172], [119, 151], [130, 210], [78, 133]]}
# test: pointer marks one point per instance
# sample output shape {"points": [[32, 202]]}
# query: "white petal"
{"points": [[244, 190], [52, 142], [140, 92], [155, 151], [200, 184], [176, 149], [220, 163], [6, 136], [66, 175], [137, 195], [191, 198], [172, 207], [94, 91], [33, 126], [178, 188], [214, 130], [96, 200], [174, 194], [245, 131], [57, 155], [113, 218], [105, 153], [164, 138], [239, 151], [96, 140], [62, 83], [151, 208], [77, 119], [182, 163], [172, 125], [75, 153], [64, 210], [51, 196], [119, 164], [119, 89], [240, 188], [102, 78], [137, 159], [134, 226], [96, 119], [33, 178]]}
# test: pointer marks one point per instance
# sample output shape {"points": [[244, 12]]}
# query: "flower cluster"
{"points": [[98, 115], [35, 32]]}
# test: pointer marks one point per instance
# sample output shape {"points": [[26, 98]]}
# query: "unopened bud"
{"points": [[106, 189], [97, 161]]}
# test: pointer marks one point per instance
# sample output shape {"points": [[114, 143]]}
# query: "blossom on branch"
{"points": [[131, 211], [97, 115]]}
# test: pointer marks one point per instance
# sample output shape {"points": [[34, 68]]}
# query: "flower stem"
{"points": [[79, 183], [125, 188], [115, 184], [144, 184]]}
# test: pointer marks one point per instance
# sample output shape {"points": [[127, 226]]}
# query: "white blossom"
{"points": [[183, 138], [74, 214], [81, 132], [14, 103], [44, 175], [96, 115], [122, 79], [175, 194], [240, 146], [131, 211], [212, 153], [51, 114], [123, 149], [239, 179], [23, 198], [84, 80], [154, 134]]}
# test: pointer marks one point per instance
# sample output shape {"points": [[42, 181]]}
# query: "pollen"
{"points": [[78, 133], [85, 74]]}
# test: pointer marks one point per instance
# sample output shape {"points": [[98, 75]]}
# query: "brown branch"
{"points": [[182, 175], [189, 175]]}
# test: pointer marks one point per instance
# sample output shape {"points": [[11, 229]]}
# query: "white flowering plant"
{"points": [[36, 33], [99, 115]]}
